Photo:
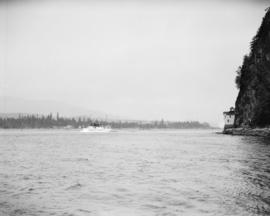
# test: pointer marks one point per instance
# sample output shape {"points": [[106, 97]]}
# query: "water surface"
{"points": [[163, 173]]}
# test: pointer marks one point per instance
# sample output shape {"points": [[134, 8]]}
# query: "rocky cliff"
{"points": [[252, 106]]}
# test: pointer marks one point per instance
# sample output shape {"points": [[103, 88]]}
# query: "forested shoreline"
{"points": [[50, 121]]}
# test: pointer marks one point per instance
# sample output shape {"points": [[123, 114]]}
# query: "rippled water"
{"points": [[68, 173]]}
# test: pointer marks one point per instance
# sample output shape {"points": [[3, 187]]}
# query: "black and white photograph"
{"points": [[134, 107]]}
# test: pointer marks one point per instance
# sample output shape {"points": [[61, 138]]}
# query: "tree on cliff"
{"points": [[253, 80]]}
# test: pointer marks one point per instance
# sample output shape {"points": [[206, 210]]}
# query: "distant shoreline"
{"points": [[116, 129], [59, 122]]}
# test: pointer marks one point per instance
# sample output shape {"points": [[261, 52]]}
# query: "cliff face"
{"points": [[252, 106]]}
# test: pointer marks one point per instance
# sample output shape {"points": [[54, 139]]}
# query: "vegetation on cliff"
{"points": [[252, 106]]}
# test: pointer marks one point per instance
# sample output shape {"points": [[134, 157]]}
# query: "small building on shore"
{"points": [[229, 117]]}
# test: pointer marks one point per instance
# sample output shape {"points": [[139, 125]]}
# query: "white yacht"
{"points": [[98, 129]]}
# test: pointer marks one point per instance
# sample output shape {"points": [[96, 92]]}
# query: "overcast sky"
{"points": [[148, 59]]}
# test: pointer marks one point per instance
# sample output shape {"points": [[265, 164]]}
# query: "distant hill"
{"points": [[12, 115], [12, 107]]}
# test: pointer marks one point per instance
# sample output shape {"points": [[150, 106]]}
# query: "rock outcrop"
{"points": [[262, 132], [252, 108]]}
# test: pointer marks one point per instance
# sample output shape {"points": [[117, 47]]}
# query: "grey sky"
{"points": [[142, 59]]}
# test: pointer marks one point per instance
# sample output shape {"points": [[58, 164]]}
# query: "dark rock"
{"points": [[263, 132], [252, 108]]}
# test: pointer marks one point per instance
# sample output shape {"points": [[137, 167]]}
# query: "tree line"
{"points": [[252, 107], [50, 121]]}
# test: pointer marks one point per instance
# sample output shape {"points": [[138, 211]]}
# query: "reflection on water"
{"points": [[133, 173]]}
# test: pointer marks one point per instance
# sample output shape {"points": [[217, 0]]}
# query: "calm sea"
{"points": [[144, 173]]}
